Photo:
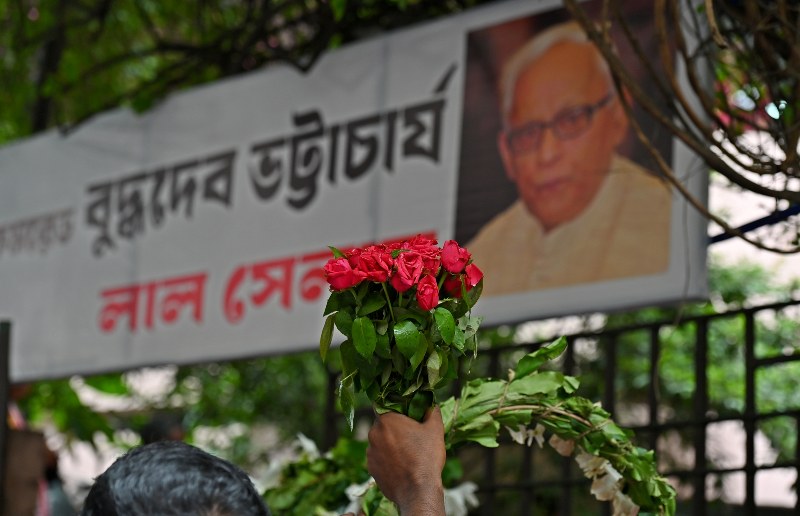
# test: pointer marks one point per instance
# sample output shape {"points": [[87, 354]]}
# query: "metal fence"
{"points": [[681, 387]]}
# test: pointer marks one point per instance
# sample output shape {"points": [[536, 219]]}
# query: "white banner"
{"points": [[197, 231]]}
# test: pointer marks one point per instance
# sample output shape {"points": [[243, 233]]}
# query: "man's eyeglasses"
{"points": [[566, 125]]}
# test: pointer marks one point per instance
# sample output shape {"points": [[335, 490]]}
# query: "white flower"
{"points": [[355, 493], [623, 505], [518, 436], [524, 435], [592, 465], [537, 434], [563, 447], [272, 476], [605, 488], [460, 499], [307, 446]]}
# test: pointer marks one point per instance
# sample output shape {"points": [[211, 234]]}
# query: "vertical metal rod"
{"points": [[331, 428], [610, 391], [526, 475], [489, 473], [5, 393], [566, 488], [797, 465], [566, 463], [653, 388], [609, 394], [749, 413], [700, 411]]}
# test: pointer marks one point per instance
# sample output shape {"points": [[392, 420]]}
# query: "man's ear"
{"points": [[505, 155], [619, 117]]}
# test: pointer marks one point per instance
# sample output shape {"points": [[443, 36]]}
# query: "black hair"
{"points": [[172, 478]]}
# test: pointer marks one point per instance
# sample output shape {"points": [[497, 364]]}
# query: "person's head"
{"points": [[562, 121], [163, 427], [171, 478]]}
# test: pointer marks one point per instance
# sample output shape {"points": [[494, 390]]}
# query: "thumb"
{"points": [[432, 416]]}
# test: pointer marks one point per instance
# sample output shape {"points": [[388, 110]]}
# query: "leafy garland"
{"points": [[529, 404]]}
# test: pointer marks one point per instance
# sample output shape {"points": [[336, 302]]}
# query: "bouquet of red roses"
{"points": [[405, 311]]}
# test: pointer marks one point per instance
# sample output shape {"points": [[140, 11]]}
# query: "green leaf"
{"points": [[109, 384], [333, 303], [326, 338], [364, 337], [445, 324], [344, 322], [472, 296], [533, 361], [406, 335], [346, 400], [420, 403], [414, 387], [433, 365], [338, 7], [336, 252], [382, 346], [403, 314], [372, 303], [458, 339], [399, 361], [420, 353], [538, 383], [349, 358]]}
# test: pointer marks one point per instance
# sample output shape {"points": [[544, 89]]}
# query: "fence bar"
{"points": [[750, 413], [490, 475], [652, 389], [609, 396], [700, 411], [797, 465], [331, 428], [5, 394]]}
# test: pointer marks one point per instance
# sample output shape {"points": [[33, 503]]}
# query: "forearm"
{"points": [[427, 501]]}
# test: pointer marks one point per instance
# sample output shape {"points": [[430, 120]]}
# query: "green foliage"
{"points": [[312, 484], [56, 402], [529, 398], [285, 391], [63, 62]]}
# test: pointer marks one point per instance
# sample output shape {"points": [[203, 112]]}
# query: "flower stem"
{"points": [[388, 300]]}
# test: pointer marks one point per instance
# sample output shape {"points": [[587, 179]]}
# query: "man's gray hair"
{"points": [[533, 50]]}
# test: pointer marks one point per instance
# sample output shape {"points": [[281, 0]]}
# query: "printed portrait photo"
{"points": [[554, 187]]}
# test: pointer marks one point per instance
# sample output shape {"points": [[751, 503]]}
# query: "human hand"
{"points": [[406, 459]]}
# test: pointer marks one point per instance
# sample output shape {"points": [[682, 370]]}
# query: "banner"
{"points": [[197, 231]]}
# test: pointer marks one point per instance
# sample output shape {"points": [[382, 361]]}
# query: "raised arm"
{"points": [[406, 459]]}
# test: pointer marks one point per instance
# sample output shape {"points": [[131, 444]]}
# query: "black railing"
{"points": [[528, 481]]}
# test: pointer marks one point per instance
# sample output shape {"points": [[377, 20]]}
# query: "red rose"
{"points": [[454, 257], [408, 269], [473, 275], [428, 250], [375, 261], [420, 243], [452, 285], [427, 292], [341, 275]]}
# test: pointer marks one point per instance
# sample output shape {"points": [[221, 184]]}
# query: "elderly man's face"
{"points": [[564, 125]]}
